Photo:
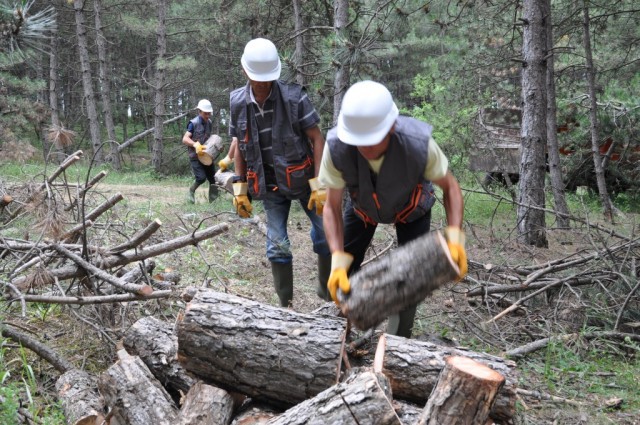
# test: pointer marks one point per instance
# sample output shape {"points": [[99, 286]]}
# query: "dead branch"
{"points": [[96, 299], [542, 343], [90, 184], [503, 289], [138, 238], [59, 363], [117, 282]]}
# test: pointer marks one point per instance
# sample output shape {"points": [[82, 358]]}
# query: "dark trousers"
{"points": [[358, 236], [202, 172]]}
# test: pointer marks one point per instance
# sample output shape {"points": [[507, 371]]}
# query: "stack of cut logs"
{"points": [[230, 360]]}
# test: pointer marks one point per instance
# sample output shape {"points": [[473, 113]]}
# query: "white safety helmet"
{"points": [[367, 114], [260, 60], [205, 106]]}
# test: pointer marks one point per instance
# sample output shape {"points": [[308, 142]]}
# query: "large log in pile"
{"points": [[268, 353]]}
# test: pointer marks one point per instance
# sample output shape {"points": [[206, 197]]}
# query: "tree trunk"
{"points": [[593, 117], [78, 394], [104, 79], [531, 224], [553, 151], [413, 367], [156, 343], [341, 79], [134, 395], [406, 276], [159, 94], [206, 405], [298, 55], [87, 82], [463, 395], [364, 398], [268, 353]]}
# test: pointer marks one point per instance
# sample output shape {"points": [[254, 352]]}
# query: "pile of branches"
{"points": [[593, 294]]}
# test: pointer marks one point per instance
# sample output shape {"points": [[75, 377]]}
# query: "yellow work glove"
{"points": [[199, 148], [241, 202], [224, 163], [318, 196], [455, 240], [340, 262]]}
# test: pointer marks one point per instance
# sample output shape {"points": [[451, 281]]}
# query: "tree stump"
{"points": [[464, 394], [268, 353], [364, 398], [401, 279], [133, 394], [156, 343], [78, 394], [413, 368], [206, 405]]}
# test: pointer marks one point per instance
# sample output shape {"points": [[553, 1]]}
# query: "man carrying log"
{"points": [[388, 164], [198, 131]]}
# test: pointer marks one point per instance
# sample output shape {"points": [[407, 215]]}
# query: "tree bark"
{"points": [[593, 116], [343, 69], [159, 94], [364, 398], [78, 394], [206, 405], [402, 278], [270, 354], [531, 223], [463, 395], [413, 368], [553, 152], [104, 79], [87, 81], [156, 343], [133, 394]]}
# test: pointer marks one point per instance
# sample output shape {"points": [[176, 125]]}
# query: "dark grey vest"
{"points": [[201, 133], [292, 151], [399, 193]]}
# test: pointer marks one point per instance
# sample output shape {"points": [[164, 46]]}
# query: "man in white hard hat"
{"points": [[198, 132], [387, 163], [280, 147]]}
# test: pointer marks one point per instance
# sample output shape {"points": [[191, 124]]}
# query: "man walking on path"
{"points": [[280, 147], [197, 134]]}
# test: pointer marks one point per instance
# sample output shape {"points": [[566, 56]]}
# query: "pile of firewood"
{"points": [[232, 360]]}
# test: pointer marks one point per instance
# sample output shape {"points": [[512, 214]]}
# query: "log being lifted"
{"points": [[156, 343], [363, 398], [268, 353], [413, 368], [401, 279], [463, 395], [134, 395], [78, 394]]}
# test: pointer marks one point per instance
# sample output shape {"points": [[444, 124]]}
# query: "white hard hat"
{"points": [[260, 60], [367, 114], [205, 106]]}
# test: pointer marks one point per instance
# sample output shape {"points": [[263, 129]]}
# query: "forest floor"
{"points": [[587, 376]]}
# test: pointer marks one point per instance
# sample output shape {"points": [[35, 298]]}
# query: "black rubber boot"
{"points": [[213, 192], [283, 282], [401, 324], [192, 193], [324, 270]]}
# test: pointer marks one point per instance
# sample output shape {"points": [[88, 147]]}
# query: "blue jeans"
{"points": [[278, 245]]}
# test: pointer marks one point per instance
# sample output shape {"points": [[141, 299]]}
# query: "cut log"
{"points": [[78, 394], [413, 368], [399, 280], [225, 179], [408, 413], [268, 353], [254, 413], [156, 343], [363, 398], [134, 396], [206, 405], [463, 395]]}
